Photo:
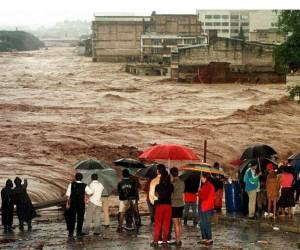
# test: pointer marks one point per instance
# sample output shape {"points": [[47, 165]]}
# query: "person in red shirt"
{"points": [[206, 197]]}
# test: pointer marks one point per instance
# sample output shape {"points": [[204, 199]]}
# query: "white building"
{"points": [[228, 23], [263, 20]]}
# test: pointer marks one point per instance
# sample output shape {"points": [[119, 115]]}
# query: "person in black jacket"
{"points": [[76, 204], [25, 209], [127, 191], [7, 208]]}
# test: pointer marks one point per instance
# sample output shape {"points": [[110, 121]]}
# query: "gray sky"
{"points": [[45, 12]]}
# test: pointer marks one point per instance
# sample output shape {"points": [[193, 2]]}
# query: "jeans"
{"points": [[187, 207], [205, 224], [151, 210]]}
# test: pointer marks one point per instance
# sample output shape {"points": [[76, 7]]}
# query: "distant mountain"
{"points": [[19, 41]]}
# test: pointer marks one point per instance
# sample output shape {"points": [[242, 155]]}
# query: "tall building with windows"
{"points": [[228, 23]]}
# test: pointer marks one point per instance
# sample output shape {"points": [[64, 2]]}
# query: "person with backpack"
{"points": [[76, 204]]}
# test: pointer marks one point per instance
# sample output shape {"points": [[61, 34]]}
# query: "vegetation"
{"points": [[294, 93], [19, 41], [288, 53]]}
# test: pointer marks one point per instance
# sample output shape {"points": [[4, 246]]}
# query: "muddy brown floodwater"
{"points": [[57, 108]]}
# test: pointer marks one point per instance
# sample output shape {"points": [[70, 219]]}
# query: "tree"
{"points": [[288, 53]]}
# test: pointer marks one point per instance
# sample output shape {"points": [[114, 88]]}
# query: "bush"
{"points": [[294, 93]]}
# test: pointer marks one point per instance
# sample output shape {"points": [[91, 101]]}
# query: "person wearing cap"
{"points": [[251, 187], [272, 185]]}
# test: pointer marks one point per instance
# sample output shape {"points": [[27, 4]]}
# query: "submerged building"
{"points": [[226, 60]]}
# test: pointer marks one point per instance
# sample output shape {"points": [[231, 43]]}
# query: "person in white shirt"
{"points": [[93, 211], [76, 206]]}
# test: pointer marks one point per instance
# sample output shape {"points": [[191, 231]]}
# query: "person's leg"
{"points": [[80, 217], [167, 214], [157, 222], [269, 205], [151, 208], [202, 224], [105, 207], [177, 228], [208, 225], [89, 217], [252, 203], [71, 220], [97, 220], [194, 210], [186, 212]]}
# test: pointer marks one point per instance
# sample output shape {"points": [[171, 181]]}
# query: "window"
{"points": [[216, 16], [225, 31], [225, 16], [208, 16], [244, 17], [217, 24], [225, 24], [234, 16], [244, 24], [208, 24], [156, 42], [234, 31], [234, 24]]}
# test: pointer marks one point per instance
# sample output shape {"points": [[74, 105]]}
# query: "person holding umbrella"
{"points": [[206, 197], [251, 186]]}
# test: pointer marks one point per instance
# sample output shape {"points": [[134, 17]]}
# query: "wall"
{"points": [[175, 24], [117, 40], [233, 51], [267, 36]]}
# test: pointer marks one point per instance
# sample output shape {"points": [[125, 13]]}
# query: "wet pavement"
{"points": [[53, 235]]}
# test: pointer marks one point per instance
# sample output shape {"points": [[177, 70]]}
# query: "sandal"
{"points": [[209, 242], [203, 242]]}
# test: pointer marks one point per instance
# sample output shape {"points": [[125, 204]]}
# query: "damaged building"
{"points": [[226, 60], [143, 38]]}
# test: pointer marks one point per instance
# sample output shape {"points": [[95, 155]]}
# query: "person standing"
{"points": [[93, 212], [7, 206], [251, 187], [286, 199], [127, 193], [206, 197], [76, 198], [190, 197], [177, 204], [163, 209], [25, 209], [105, 207], [150, 206], [272, 186]]}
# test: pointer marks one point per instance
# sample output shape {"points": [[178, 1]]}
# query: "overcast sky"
{"points": [[45, 12]]}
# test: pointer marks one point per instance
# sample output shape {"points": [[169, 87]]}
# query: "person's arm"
{"points": [[25, 183], [152, 196], [68, 193], [89, 190]]}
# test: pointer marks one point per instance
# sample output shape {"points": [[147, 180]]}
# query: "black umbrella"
{"points": [[258, 151], [294, 157], [129, 163], [90, 165], [148, 172]]}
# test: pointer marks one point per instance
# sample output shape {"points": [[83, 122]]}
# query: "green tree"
{"points": [[288, 53]]}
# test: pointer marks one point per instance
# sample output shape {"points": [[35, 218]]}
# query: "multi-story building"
{"points": [[135, 38], [228, 23]]}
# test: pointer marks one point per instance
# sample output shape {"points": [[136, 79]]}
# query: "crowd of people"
{"points": [[272, 192], [16, 197], [169, 199]]}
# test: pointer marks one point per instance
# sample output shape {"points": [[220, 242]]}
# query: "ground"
{"points": [[57, 108], [52, 236]]}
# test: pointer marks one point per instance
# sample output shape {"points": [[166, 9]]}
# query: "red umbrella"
{"points": [[169, 152]]}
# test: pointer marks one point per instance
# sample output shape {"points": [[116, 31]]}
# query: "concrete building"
{"points": [[271, 36], [118, 38], [133, 38], [228, 23], [262, 20], [227, 60]]}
